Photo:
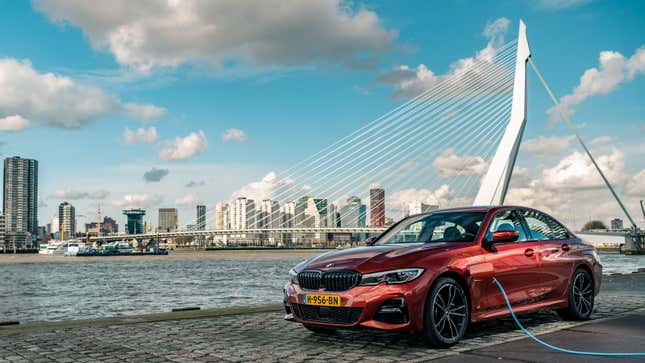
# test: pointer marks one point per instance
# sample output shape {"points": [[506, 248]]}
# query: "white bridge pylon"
{"points": [[495, 183]]}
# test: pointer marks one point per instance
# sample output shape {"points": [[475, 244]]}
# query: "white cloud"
{"points": [[187, 200], [613, 70], [70, 194], [545, 146], [577, 172], [400, 200], [144, 112], [448, 164], [410, 82], [636, 184], [143, 200], [184, 147], [148, 34], [142, 135], [13, 123], [560, 4], [267, 188], [48, 99], [601, 140], [234, 135]]}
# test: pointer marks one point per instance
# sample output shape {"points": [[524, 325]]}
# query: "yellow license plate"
{"points": [[322, 299]]}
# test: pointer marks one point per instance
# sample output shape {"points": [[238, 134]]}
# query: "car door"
{"points": [[516, 265], [554, 252]]}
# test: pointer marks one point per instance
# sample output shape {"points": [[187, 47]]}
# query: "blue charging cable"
{"points": [[600, 354]]}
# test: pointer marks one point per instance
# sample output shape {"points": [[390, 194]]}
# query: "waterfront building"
{"points": [[616, 223], [134, 223], [201, 218], [243, 214], [222, 216], [269, 215], [353, 214], [20, 201], [287, 213], [420, 207], [2, 231], [377, 207], [333, 217], [168, 220], [108, 226], [67, 220], [316, 212], [54, 225], [299, 217]]}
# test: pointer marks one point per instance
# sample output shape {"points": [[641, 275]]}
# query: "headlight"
{"points": [[293, 275], [399, 276]]}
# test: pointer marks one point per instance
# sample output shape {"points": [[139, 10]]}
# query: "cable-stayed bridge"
{"points": [[454, 144]]}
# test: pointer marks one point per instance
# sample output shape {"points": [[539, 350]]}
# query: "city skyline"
{"points": [[181, 133]]}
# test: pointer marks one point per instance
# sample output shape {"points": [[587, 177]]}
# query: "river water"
{"points": [[41, 291]]}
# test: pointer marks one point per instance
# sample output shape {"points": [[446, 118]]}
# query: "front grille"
{"points": [[324, 314], [339, 280]]}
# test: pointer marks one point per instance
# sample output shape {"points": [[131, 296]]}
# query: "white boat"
{"points": [[53, 248]]}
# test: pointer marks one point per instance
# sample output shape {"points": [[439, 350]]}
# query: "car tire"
{"points": [[581, 297], [447, 313], [319, 329]]}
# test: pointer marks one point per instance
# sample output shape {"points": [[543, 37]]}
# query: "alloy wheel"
{"points": [[583, 294], [449, 312]]}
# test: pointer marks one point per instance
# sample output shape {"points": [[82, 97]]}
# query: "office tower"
{"points": [[316, 213], [109, 226], [20, 201], [243, 214], [168, 220], [200, 222], [353, 213], [419, 207], [299, 217], [269, 215], [287, 213], [377, 207], [134, 223], [55, 228], [67, 220], [333, 218], [222, 216]]}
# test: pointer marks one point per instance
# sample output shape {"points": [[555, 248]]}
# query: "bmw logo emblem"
{"points": [[329, 265]]}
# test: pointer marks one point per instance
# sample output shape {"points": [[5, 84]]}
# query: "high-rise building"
{"points": [[377, 207], [316, 213], [2, 231], [299, 217], [287, 213], [20, 201], [243, 214], [269, 215], [353, 213], [616, 223], [134, 223], [420, 207], [67, 220], [333, 217], [222, 216], [168, 220], [200, 222]]}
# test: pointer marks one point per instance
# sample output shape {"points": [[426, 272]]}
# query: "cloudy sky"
{"points": [[172, 103]]}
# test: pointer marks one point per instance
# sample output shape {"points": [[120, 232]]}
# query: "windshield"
{"points": [[436, 227]]}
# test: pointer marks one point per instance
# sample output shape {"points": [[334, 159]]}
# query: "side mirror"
{"points": [[370, 241], [506, 236]]}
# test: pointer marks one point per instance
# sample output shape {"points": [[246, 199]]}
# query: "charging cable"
{"points": [[600, 354]]}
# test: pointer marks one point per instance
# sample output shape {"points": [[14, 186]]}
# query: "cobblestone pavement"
{"points": [[266, 337]]}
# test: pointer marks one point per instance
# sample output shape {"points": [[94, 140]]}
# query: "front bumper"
{"points": [[362, 304]]}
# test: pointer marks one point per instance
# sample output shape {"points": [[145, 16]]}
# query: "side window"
{"points": [[506, 220], [543, 227]]}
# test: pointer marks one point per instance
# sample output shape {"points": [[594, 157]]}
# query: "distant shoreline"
{"points": [[220, 254]]}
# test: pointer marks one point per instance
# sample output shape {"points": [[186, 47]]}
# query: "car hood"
{"points": [[370, 258]]}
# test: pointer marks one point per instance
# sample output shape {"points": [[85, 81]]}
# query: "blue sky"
{"points": [[291, 102]]}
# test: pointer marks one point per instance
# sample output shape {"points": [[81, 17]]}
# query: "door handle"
{"points": [[565, 247], [528, 252]]}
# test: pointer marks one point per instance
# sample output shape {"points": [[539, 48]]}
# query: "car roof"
{"points": [[480, 208]]}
